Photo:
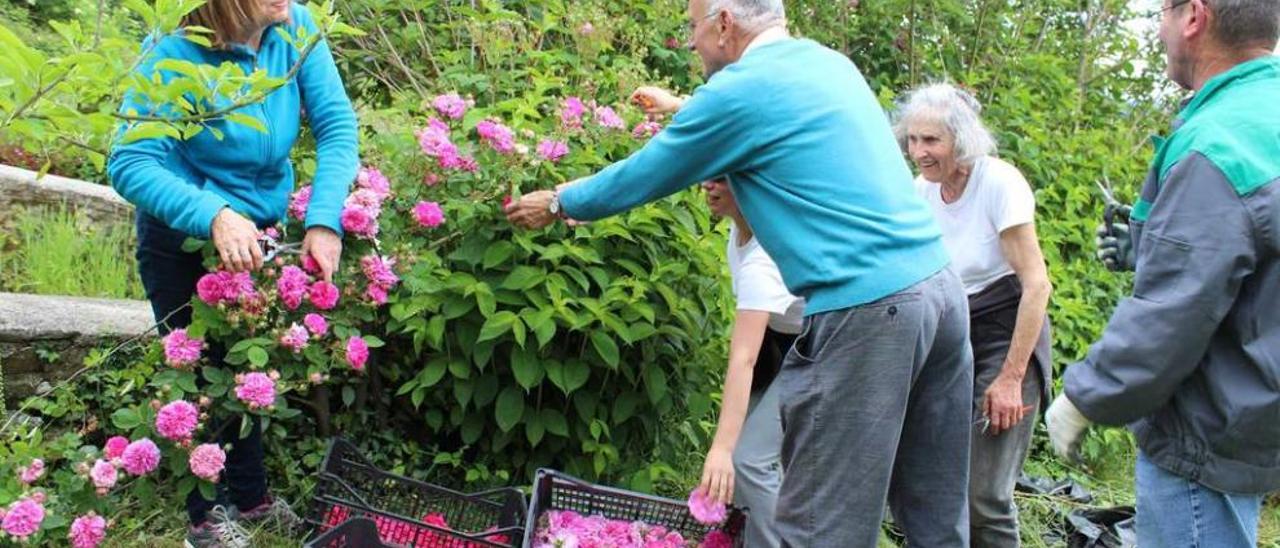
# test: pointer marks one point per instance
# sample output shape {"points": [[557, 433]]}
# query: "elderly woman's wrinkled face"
{"points": [[933, 149]]}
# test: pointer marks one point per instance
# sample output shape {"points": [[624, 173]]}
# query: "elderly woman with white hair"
{"points": [[987, 214]]}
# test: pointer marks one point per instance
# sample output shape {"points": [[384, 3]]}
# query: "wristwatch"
{"points": [[554, 206]]}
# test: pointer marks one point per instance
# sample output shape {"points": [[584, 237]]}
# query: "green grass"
{"points": [[56, 252]]}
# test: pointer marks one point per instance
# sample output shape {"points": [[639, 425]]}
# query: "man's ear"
{"points": [[1200, 18]]}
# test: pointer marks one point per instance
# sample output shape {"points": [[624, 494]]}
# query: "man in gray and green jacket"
{"points": [[1191, 361]]}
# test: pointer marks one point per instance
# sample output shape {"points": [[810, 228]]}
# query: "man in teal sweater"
{"points": [[876, 392]]}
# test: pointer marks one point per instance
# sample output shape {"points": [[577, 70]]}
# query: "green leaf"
{"points": [[192, 245], [655, 382], [509, 408], [373, 342], [486, 389], [498, 253], [534, 429], [523, 277], [208, 490], [496, 325], [348, 396], [624, 406], [605, 346], [126, 418], [257, 356], [527, 370], [433, 372], [556, 423]]}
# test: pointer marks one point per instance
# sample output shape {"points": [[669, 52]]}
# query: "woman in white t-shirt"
{"points": [[986, 211], [744, 462]]}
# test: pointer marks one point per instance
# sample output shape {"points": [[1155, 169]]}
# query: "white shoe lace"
{"points": [[229, 533]]}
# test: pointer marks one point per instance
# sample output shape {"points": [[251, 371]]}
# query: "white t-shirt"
{"points": [[996, 198], [757, 285]]}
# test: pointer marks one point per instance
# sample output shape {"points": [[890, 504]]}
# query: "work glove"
{"points": [[1115, 247], [1066, 427]]}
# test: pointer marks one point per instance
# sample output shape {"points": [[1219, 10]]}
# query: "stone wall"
{"points": [[44, 338], [19, 187]]}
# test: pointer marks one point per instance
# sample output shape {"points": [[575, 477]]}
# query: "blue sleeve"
{"points": [[138, 172], [709, 137], [1197, 249], [333, 122]]}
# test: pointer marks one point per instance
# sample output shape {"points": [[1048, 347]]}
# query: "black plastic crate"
{"points": [[353, 533], [350, 487], [554, 490]]}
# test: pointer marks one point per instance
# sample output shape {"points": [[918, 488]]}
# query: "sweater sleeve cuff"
{"points": [[205, 211]]}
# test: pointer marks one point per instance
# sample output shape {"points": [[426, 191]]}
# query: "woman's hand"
{"points": [[717, 475], [325, 247], [237, 241], [654, 100]]}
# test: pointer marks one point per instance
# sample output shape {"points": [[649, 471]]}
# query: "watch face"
{"points": [[554, 207]]}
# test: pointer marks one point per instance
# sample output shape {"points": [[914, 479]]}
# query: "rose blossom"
{"points": [[571, 111], [177, 420], [206, 461], [256, 389], [180, 350], [606, 117], [705, 509], [357, 353], [32, 472], [316, 324], [292, 286], [295, 338], [104, 476], [22, 519], [87, 531], [499, 137], [299, 201], [428, 214], [140, 457], [114, 448], [553, 151], [450, 105], [324, 295], [369, 178]]}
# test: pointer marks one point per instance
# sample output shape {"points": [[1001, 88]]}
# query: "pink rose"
{"points": [[428, 214], [141, 457], [115, 447], [103, 475], [32, 472], [88, 531], [299, 201], [553, 151], [316, 324], [706, 510], [606, 117], [180, 350], [450, 106], [257, 390], [499, 137], [571, 111], [357, 353], [206, 461], [177, 420], [324, 295], [292, 286], [22, 519], [295, 338]]}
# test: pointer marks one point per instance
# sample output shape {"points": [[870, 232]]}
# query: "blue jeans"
{"points": [[1176, 512], [169, 276]]}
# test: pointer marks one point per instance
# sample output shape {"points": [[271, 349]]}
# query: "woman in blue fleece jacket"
{"points": [[228, 189]]}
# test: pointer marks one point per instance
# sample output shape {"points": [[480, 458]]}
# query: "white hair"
{"points": [[955, 109], [751, 15]]}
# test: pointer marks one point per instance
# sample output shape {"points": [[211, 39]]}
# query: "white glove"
{"points": [[1066, 426]]}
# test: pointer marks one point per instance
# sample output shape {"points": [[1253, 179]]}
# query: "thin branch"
{"points": [[218, 113], [31, 101]]}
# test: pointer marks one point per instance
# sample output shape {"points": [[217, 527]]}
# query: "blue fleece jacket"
{"points": [[185, 183], [813, 164]]}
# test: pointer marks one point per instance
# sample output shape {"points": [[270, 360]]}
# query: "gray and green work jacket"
{"points": [[1191, 361]]}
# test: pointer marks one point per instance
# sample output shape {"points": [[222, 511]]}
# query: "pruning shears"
{"points": [[272, 248], [1112, 207]]}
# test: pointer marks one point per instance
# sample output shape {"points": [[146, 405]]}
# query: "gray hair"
{"points": [[751, 15], [1246, 23], [955, 109]]}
